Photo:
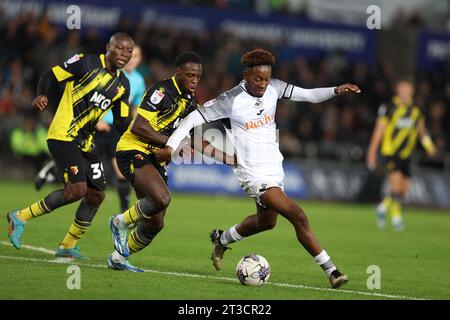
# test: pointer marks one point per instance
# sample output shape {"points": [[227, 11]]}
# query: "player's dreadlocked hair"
{"points": [[186, 57], [257, 57]]}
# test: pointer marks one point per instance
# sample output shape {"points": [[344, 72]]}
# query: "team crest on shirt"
{"points": [[139, 157], [156, 97], [74, 170], [258, 103]]}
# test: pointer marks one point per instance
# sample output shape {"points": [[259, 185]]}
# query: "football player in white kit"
{"points": [[250, 107]]}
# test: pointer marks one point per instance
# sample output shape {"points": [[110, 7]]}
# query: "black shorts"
{"points": [[76, 165], [127, 161], [396, 164]]}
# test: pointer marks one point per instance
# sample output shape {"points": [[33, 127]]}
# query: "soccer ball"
{"points": [[253, 270]]}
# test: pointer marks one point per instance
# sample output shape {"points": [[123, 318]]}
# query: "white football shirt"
{"points": [[253, 128]]}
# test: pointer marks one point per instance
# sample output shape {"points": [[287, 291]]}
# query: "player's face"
{"points": [[119, 51], [258, 79], [405, 90], [188, 76]]}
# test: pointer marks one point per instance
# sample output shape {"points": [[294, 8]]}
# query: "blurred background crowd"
{"points": [[339, 129]]}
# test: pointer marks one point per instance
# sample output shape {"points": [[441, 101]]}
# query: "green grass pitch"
{"points": [[414, 263]]}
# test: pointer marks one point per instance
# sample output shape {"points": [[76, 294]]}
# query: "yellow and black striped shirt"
{"points": [[164, 105], [89, 92], [401, 133]]}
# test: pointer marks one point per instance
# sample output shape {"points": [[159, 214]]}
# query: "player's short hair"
{"points": [[118, 35], [257, 57], [187, 57], [406, 78]]}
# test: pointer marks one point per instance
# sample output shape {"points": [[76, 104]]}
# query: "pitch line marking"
{"points": [[44, 250], [192, 275]]}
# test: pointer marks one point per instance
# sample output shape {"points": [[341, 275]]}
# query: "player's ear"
{"points": [[107, 47]]}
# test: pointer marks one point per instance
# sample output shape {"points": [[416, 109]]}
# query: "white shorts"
{"points": [[255, 187]]}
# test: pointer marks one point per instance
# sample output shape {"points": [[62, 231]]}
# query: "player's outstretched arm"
{"points": [[194, 119], [318, 94], [209, 150]]}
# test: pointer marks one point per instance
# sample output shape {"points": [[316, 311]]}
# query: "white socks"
{"points": [[230, 236], [324, 261]]}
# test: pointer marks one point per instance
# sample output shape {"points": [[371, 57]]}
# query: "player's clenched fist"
{"points": [[347, 87], [40, 102]]}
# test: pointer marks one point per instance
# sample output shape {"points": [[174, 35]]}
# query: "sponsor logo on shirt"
{"points": [[405, 123], [100, 100], [253, 124]]}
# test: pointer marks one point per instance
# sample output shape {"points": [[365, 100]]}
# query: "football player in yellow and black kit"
{"points": [[88, 86], [164, 105], [399, 125]]}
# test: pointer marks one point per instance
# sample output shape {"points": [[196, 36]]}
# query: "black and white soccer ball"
{"points": [[253, 270]]}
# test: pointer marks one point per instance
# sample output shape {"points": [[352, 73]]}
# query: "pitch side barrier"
{"points": [[320, 180]]}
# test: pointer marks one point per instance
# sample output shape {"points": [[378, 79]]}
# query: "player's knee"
{"points": [[162, 201], [75, 191], [94, 197]]}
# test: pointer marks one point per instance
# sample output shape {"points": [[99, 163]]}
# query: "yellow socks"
{"points": [[133, 215], [35, 210], [75, 233]]}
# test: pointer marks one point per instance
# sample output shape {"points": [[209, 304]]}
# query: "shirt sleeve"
{"points": [[193, 120], [218, 108], [382, 113], [121, 110], [294, 93], [281, 88], [74, 68]]}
